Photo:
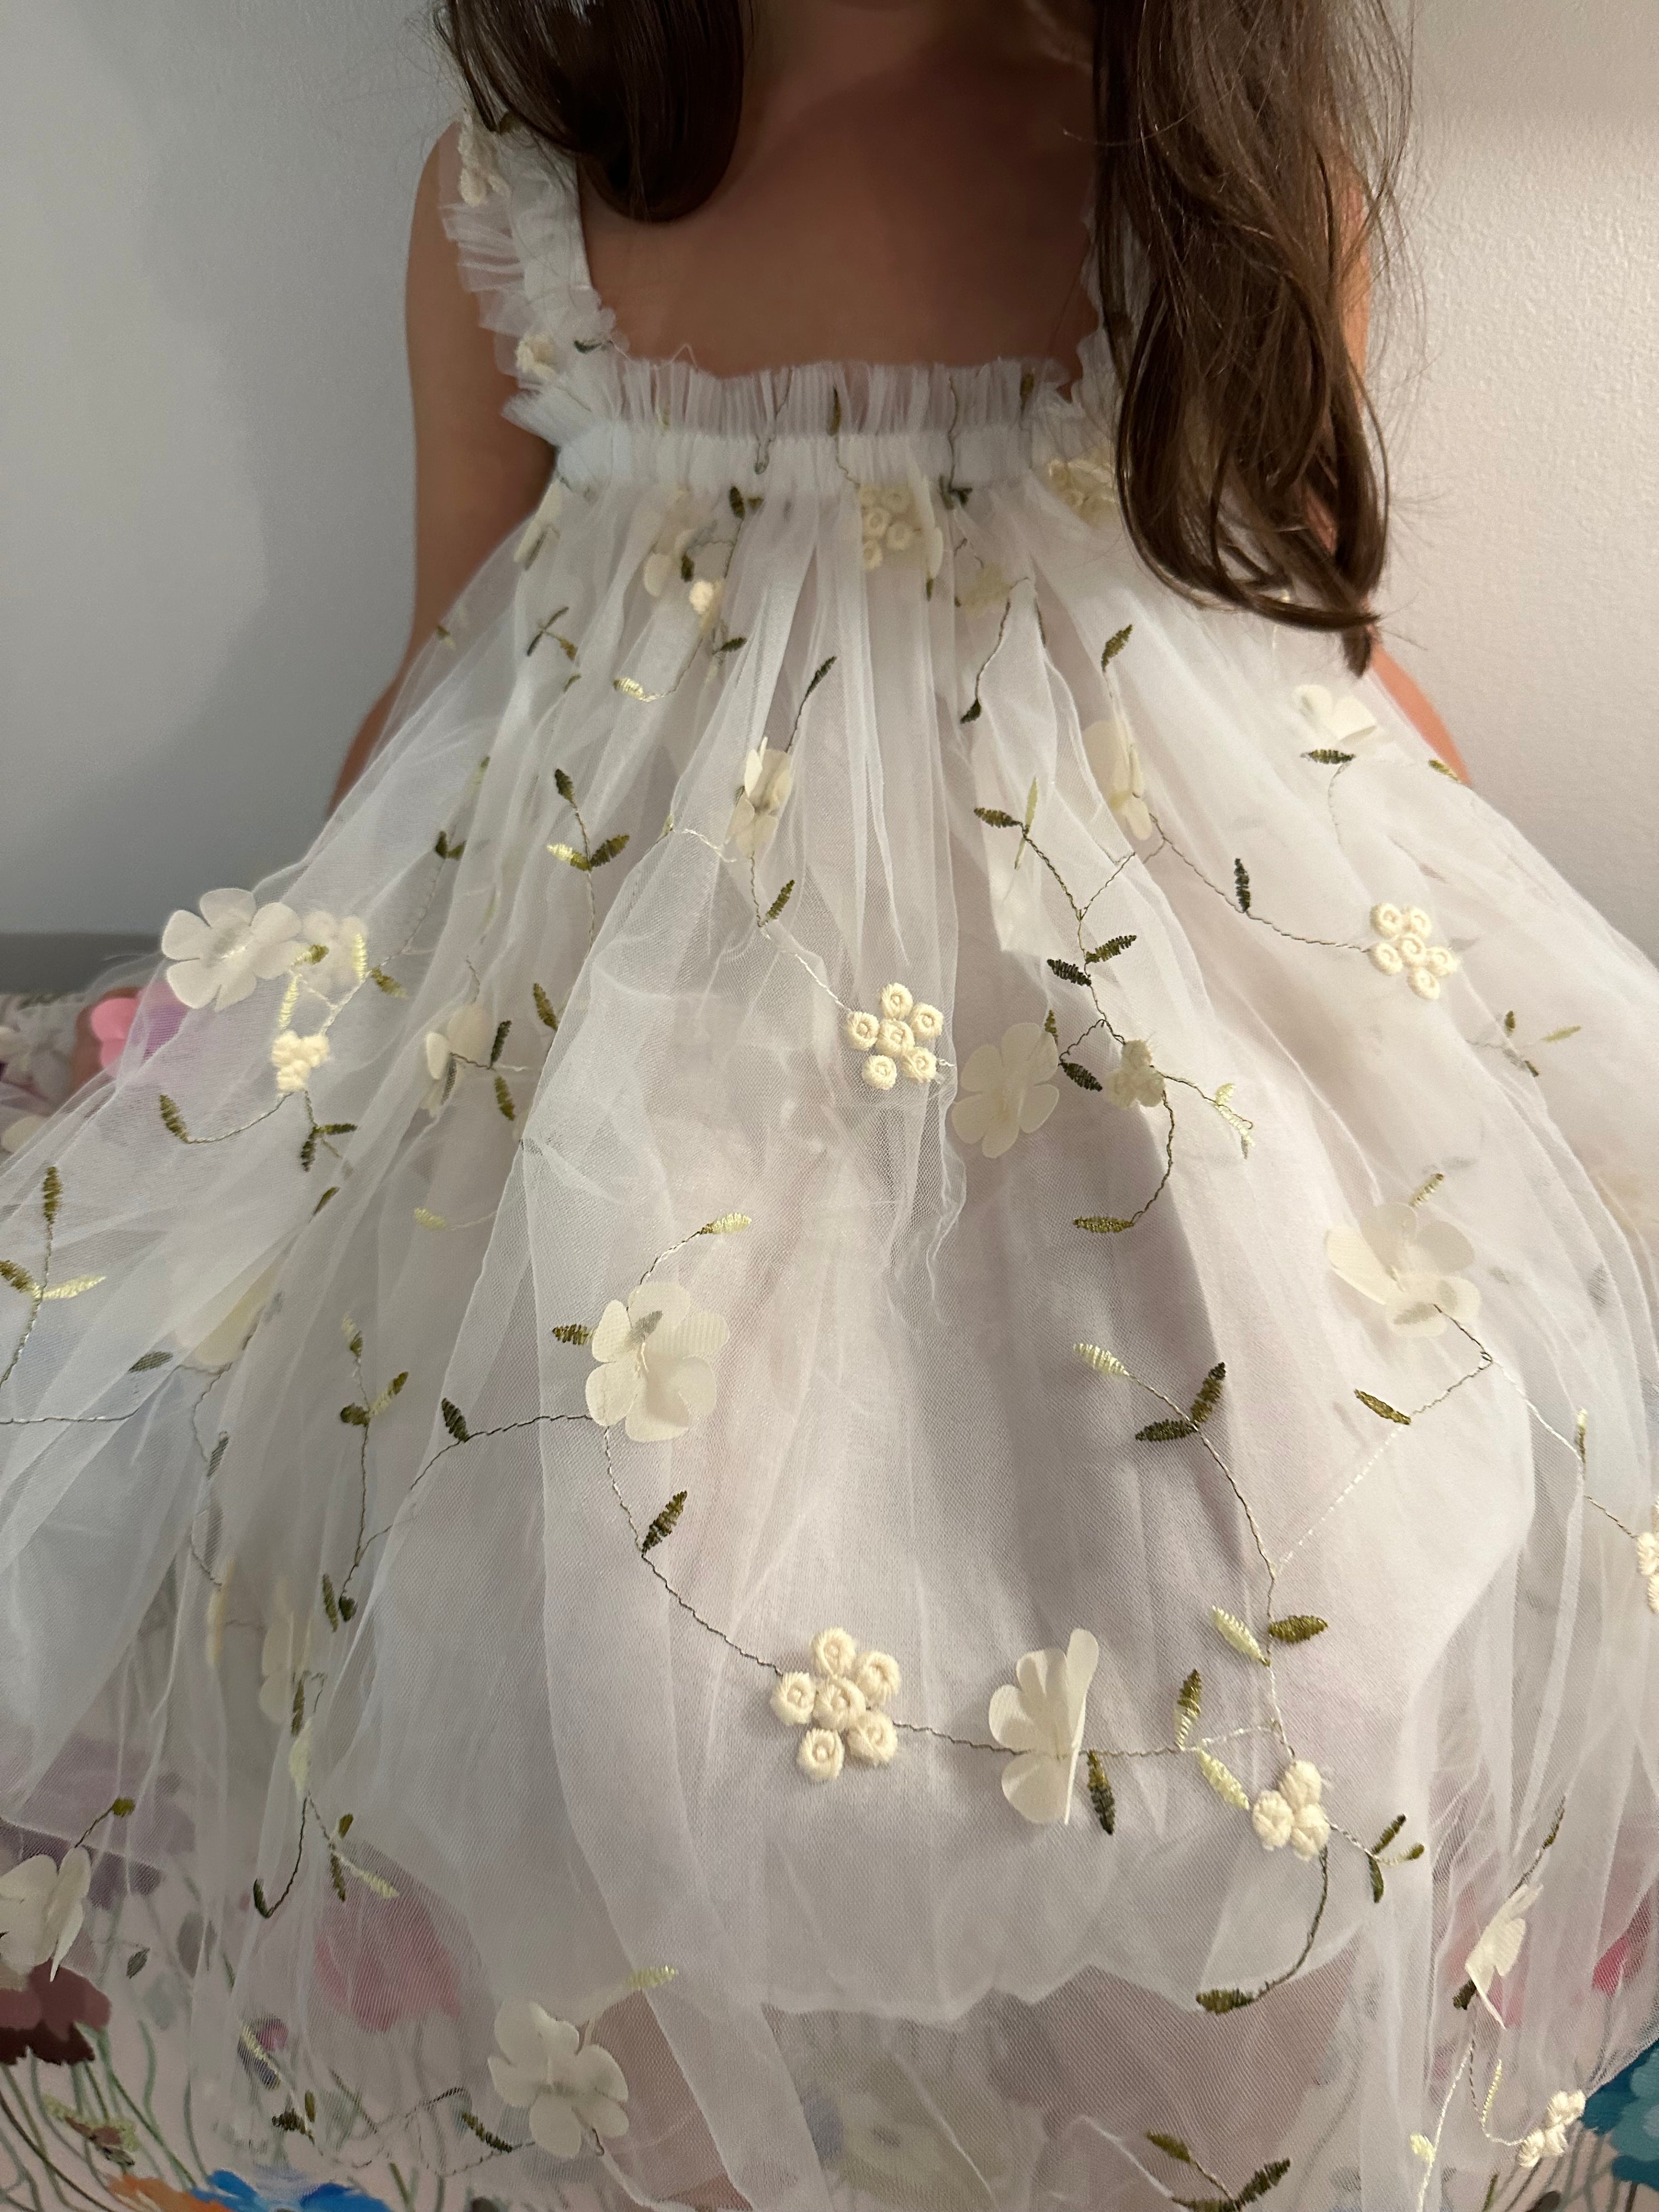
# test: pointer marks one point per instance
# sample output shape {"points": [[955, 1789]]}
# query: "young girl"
{"points": [[864, 1414]]}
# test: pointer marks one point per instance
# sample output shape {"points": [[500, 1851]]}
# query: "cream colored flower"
{"points": [[836, 1704], [1006, 1090], [542, 525], [794, 1698], [1499, 1945], [567, 2089], [895, 1002], [653, 1371], [705, 595], [1041, 1721], [879, 1071], [821, 1755], [296, 1059], [1087, 484], [1135, 1081], [282, 1659], [218, 1606], [1409, 1266], [894, 1038], [1342, 725], [768, 776], [463, 1040], [538, 357], [1114, 761], [990, 588], [342, 940], [862, 1031], [919, 1064], [233, 943], [1292, 1813], [878, 1677], [1647, 1560], [835, 1653], [871, 1739], [1403, 948], [42, 1909], [928, 1023]]}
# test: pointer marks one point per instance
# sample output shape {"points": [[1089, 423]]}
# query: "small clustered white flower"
{"points": [[897, 521], [1292, 1813], [898, 1040], [1550, 2141], [1647, 1560], [1087, 483], [839, 1706], [669, 568], [1135, 1081], [1403, 948], [297, 1058]]}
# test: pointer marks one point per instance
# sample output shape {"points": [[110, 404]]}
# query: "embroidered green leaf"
{"points": [[1189, 1703], [333, 1191], [819, 674], [1389, 1834], [1069, 972], [331, 1605], [290, 1000], [297, 1718], [1051, 1026], [572, 1332], [289, 2121], [1582, 1436], [308, 1152], [974, 711], [651, 1978], [1031, 807], [343, 1826], [1223, 2000], [72, 1289], [444, 850], [1101, 1225], [427, 1219], [1426, 1189], [608, 851], [1115, 645], [504, 1100], [1209, 1395], [1508, 1022], [337, 1874], [544, 1014], [389, 984], [666, 1522], [149, 1360], [1225, 1784], [219, 1450], [735, 497], [137, 1964], [1111, 949], [1102, 1362], [1465, 1997], [336, 1129], [51, 1195], [492, 2142], [501, 1037], [1166, 1433], [631, 689], [1382, 1408], [1379, 1888], [732, 644], [563, 786], [264, 1909], [570, 856], [354, 1416], [688, 568], [1560, 1036], [353, 1335], [1444, 768], [454, 1421], [781, 901], [172, 1120], [348, 1606], [1328, 757], [1080, 1075], [726, 1224], [1100, 1794], [1264, 2178], [386, 1396], [1297, 1628], [1238, 1635], [834, 414], [123, 1807], [311, 2106], [996, 816], [1171, 2146], [19, 1277], [1242, 886]]}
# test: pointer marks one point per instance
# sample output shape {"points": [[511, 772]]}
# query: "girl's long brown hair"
{"points": [[1247, 156]]}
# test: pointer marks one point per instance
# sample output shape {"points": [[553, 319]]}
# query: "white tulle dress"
{"points": [[865, 1415]]}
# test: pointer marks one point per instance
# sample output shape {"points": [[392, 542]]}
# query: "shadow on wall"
{"points": [[209, 374]]}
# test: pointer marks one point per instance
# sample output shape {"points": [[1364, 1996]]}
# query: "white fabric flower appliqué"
{"points": [[653, 1371], [1499, 1945], [567, 2089], [896, 521], [296, 1059], [1113, 760], [768, 776], [40, 1910], [1041, 1722], [1647, 1560], [1343, 725], [1403, 948], [1135, 1081], [1550, 2141], [463, 1041], [538, 357], [480, 173], [1007, 1092], [1087, 484], [897, 1041], [335, 955], [989, 589], [1292, 1813], [839, 1706], [233, 943], [1409, 1266]]}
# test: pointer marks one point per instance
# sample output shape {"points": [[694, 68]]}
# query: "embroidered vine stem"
{"points": [[1236, 898]]}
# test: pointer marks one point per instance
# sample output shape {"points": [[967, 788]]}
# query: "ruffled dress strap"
{"points": [[511, 206]]}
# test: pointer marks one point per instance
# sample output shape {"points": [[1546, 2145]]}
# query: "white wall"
{"points": [[205, 442]]}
